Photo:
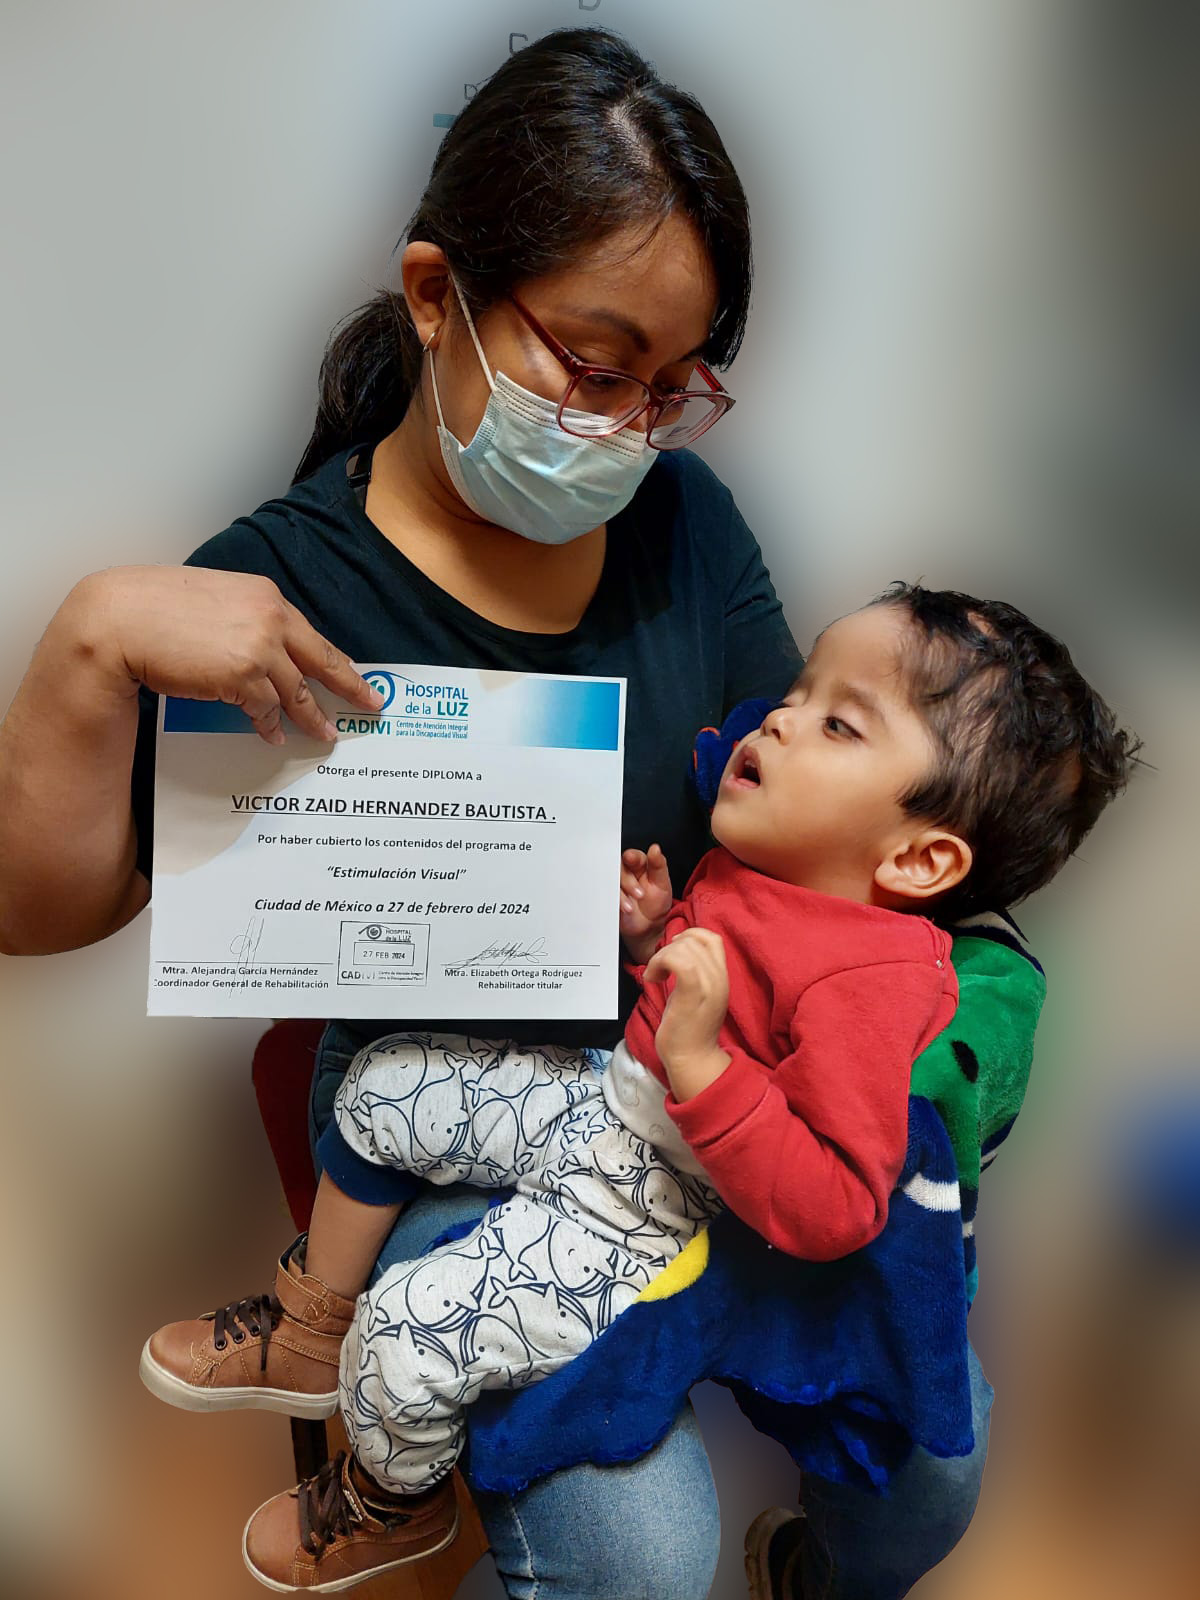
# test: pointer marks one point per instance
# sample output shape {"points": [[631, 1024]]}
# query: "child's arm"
{"points": [[808, 1153], [646, 900]]}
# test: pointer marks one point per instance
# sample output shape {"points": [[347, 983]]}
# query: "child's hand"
{"points": [[687, 1040], [645, 900]]}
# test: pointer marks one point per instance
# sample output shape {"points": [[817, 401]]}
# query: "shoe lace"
{"points": [[326, 1511], [258, 1315]]}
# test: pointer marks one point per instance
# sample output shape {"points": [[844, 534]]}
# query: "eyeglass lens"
{"points": [[684, 420], [598, 404]]}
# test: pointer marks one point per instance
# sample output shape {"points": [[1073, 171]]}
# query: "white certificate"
{"points": [[454, 855]]}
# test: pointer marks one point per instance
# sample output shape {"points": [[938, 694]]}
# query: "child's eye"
{"points": [[840, 729]]}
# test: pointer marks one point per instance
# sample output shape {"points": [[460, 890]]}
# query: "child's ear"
{"points": [[924, 864]]}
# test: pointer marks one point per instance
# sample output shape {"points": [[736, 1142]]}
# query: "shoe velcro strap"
{"points": [[307, 1300]]}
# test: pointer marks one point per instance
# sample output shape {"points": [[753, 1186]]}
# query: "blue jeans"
{"points": [[650, 1529]]}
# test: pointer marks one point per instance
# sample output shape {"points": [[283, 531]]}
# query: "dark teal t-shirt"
{"points": [[684, 610]]}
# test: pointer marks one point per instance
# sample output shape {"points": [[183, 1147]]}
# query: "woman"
{"points": [[455, 506]]}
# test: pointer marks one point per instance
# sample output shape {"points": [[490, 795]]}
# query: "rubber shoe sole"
{"points": [[187, 1397], [338, 1585]]}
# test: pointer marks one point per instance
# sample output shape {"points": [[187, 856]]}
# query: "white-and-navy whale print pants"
{"points": [[597, 1213]]}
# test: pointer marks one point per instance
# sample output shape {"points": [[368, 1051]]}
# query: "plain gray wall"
{"points": [[192, 196]]}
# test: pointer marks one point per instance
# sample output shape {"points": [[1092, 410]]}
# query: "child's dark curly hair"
{"points": [[1028, 753]]}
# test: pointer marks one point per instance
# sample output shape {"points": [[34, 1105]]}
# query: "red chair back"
{"points": [[282, 1072]]}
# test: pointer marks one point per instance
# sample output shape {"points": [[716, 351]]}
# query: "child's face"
{"points": [[813, 796]]}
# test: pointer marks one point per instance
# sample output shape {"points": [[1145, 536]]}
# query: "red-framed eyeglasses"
{"points": [[603, 400]]}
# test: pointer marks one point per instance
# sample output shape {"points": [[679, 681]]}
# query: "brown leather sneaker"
{"points": [[774, 1542], [267, 1353], [338, 1529]]}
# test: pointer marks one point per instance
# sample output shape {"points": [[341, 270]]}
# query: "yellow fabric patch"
{"points": [[684, 1270]]}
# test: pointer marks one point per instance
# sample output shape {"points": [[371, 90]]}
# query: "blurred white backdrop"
{"points": [[191, 198]]}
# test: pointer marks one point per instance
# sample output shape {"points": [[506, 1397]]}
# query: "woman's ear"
{"points": [[925, 864], [425, 275]]}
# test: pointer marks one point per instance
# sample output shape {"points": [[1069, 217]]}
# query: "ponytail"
{"points": [[368, 375]]}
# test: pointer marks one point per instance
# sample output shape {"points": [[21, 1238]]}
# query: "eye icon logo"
{"points": [[385, 683]]}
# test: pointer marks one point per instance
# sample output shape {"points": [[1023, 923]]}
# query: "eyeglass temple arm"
{"points": [[559, 350]]}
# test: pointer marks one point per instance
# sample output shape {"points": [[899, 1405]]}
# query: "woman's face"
{"points": [[642, 305]]}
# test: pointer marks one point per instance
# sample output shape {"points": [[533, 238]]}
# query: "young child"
{"points": [[938, 754]]}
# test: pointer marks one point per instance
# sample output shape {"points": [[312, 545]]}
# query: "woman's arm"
{"points": [[67, 837]]}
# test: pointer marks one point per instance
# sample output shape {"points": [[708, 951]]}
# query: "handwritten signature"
{"points": [[245, 947], [532, 955]]}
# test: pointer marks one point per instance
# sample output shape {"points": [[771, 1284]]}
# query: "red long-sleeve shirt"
{"points": [[804, 1133]]}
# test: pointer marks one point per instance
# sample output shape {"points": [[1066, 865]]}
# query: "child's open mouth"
{"points": [[746, 772]]}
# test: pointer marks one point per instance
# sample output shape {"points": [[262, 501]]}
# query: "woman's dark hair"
{"points": [[575, 136], [1028, 754]]}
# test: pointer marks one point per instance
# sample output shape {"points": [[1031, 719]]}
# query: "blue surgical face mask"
{"points": [[523, 472]]}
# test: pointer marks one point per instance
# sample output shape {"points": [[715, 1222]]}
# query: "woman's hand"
{"points": [[646, 900], [67, 835], [205, 635], [688, 1037]]}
